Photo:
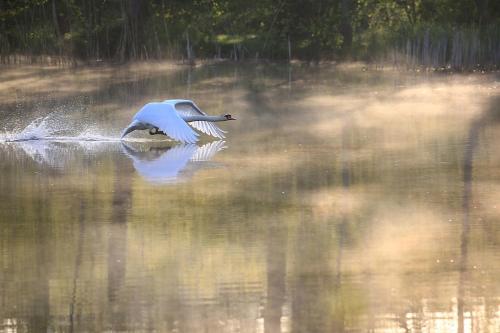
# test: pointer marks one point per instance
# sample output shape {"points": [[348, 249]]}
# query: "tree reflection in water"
{"points": [[488, 118], [335, 209]]}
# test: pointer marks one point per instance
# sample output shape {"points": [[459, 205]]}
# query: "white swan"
{"points": [[171, 117]]}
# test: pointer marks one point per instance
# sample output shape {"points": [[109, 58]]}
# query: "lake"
{"points": [[344, 199]]}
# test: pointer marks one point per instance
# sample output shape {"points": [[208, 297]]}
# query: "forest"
{"points": [[461, 34]]}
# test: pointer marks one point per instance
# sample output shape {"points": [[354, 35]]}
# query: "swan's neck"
{"points": [[203, 118]]}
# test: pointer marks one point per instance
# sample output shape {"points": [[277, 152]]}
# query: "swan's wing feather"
{"points": [[165, 117], [130, 128], [188, 108], [208, 128]]}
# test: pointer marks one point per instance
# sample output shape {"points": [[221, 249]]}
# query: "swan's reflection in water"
{"points": [[154, 161], [162, 165]]}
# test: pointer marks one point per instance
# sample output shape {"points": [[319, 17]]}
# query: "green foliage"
{"points": [[304, 29]]}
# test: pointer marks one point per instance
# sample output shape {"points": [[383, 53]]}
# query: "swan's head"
{"points": [[228, 117]]}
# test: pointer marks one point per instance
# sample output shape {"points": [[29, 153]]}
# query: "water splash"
{"points": [[37, 129], [93, 133], [54, 127]]}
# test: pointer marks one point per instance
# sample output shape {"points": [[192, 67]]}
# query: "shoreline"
{"points": [[51, 62]]}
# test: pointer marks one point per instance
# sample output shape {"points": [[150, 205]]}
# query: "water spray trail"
{"points": [[53, 128]]}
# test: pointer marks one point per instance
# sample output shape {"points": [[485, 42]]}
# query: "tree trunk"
{"points": [[189, 50], [289, 49], [346, 26], [124, 37], [56, 26]]}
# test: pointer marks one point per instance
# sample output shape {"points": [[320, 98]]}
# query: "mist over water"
{"points": [[342, 200]]}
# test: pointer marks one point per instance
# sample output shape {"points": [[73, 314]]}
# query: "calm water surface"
{"points": [[342, 200]]}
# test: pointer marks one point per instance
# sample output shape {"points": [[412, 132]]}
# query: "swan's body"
{"points": [[171, 117]]}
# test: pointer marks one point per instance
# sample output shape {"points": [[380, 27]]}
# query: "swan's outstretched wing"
{"points": [[165, 117], [188, 108], [134, 125]]}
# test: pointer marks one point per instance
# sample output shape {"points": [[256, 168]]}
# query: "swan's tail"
{"points": [[132, 127]]}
